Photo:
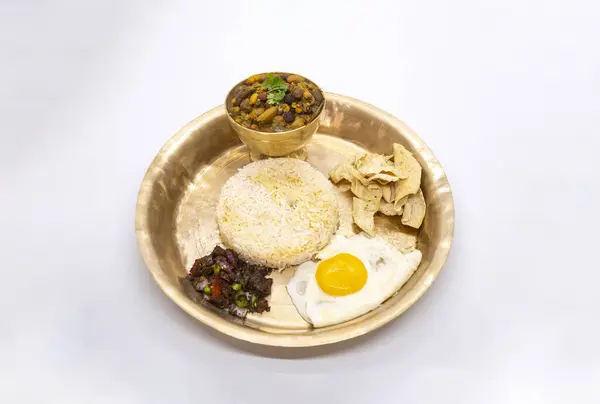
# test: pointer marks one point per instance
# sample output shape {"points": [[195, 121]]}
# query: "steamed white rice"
{"points": [[277, 212]]}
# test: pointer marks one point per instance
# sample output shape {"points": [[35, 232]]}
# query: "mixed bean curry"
{"points": [[275, 102]]}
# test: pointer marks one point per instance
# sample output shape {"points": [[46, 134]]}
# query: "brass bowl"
{"points": [[175, 217], [274, 144]]}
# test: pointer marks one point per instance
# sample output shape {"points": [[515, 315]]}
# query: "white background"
{"points": [[505, 92]]}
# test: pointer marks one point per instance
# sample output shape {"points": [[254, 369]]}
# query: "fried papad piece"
{"points": [[387, 192], [407, 163], [371, 192], [346, 172], [370, 165], [414, 210], [363, 213]]}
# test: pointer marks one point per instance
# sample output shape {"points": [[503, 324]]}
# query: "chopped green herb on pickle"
{"points": [[241, 302]]}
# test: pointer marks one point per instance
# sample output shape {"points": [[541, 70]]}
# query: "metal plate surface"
{"points": [[175, 217]]}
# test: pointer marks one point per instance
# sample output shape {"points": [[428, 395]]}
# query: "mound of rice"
{"points": [[277, 212]]}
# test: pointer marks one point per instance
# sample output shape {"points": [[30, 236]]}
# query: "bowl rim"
{"points": [[252, 335], [274, 135]]}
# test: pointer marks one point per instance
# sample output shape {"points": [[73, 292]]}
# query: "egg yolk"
{"points": [[341, 275]]}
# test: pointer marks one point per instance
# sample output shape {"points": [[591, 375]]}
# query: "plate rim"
{"points": [[249, 334]]}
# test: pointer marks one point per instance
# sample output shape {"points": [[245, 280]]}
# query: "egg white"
{"points": [[388, 269]]}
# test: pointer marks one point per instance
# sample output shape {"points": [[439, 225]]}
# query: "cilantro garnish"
{"points": [[276, 88]]}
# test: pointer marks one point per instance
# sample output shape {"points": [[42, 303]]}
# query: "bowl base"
{"points": [[300, 154]]}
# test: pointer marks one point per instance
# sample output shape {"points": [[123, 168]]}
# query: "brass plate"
{"points": [[175, 221]]}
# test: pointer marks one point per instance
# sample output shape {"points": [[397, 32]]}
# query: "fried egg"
{"points": [[351, 277]]}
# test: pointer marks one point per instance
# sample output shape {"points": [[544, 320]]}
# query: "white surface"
{"points": [[506, 93]]}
